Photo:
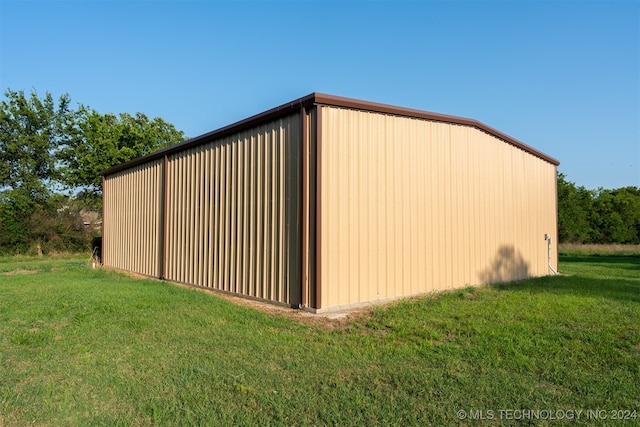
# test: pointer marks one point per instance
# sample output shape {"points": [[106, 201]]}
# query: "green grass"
{"points": [[82, 347]]}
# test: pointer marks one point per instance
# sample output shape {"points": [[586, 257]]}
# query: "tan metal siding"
{"points": [[132, 219], [233, 213], [309, 191], [410, 205]]}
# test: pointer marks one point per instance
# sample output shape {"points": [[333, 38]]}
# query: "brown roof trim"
{"points": [[280, 111], [408, 112], [329, 100]]}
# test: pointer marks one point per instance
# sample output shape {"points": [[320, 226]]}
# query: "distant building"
{"points": [[91, 219]]}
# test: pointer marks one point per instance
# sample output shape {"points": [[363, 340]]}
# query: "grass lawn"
{"points": [[82, 347]]}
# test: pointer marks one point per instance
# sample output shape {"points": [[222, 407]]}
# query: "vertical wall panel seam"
{"points": [[305, 214], [197, 226], [319, 166], [163, 215], [104, 211], [233, 220], [285, 251]]}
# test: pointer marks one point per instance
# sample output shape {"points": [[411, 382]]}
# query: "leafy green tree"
{"points": [[105, 140], [45, 145], [627, 203], [574, 208], [14, 230], [600, 216], [30, 131], [616, 216]]}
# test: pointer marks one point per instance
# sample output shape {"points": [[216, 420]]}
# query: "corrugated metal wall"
{"points": [[132, 218], [233, 213], [334, 206], [410, 206]]}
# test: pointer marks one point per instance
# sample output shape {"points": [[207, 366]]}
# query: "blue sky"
{"points": [[561, 76]]}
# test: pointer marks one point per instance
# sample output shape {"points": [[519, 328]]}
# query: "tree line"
{"points": [[597, 216], [51, 156]]}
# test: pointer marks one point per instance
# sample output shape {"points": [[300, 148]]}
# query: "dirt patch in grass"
{"points": [[131, 274], [332, 320], [19, 271]]}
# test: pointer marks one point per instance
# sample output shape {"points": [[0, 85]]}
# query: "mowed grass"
{"points": [[82, 347]]}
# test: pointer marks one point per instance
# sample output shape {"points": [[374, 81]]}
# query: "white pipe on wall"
{"points": [[548, 239]]}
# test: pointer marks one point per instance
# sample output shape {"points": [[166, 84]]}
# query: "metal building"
{"points": [[328, 202]]}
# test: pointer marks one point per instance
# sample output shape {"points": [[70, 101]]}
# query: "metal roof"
{"points": [[329, 100]]}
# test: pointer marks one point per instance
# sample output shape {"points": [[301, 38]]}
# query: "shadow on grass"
{"points": [[597, 276], [617, 289]]}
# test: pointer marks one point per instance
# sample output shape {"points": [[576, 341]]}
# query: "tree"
{"points": [[30, 131], [574, 208], [14, 229], [600, 216], [44, 145], [107, 140], [616, 216]]}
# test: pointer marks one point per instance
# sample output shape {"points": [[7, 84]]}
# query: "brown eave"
{"points": [[329, 100], [408, 112]]}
